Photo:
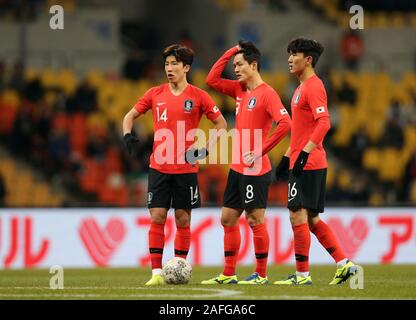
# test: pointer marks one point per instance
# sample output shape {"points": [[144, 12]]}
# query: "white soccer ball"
{"points": [[177, 271]]}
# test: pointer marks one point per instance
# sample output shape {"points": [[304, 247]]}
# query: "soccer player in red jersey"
{"points": [[257, 106], [177, 108], [306, 159]]}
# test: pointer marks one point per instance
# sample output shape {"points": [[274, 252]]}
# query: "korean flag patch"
{"points": [[188, 105], [320, 109], [252, 103], [283, 111]]}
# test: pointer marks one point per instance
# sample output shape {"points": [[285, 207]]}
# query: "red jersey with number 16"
{"points": [[309, 103], [174, 118]]}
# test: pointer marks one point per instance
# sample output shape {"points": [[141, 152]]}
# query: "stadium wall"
{"points": [[89, 40], [41, 238]]}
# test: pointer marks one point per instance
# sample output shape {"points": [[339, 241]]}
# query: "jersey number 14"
{"points": [[163, 116]]}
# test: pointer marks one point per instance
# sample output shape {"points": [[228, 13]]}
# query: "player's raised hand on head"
{"points": [[300, 163], [130, 142], [282, 169]]}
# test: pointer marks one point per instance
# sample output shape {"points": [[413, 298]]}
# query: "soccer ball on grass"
{"points": [[177, 271]]}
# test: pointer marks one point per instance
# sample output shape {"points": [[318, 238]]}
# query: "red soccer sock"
{"points": [[156, 244], [302, 239], [182, 241], [232, 240], [328, 240], [261, 248]]}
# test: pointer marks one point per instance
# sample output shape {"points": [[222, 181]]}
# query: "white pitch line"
{"points": [[233, 294], [214, 293], [83, 288]]}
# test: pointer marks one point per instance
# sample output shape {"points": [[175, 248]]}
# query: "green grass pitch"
{"points": [[380, 282]]}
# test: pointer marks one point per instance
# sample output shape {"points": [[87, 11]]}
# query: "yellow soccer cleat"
{"points": [[343, 274], [155, 280], [255, 278], [296, 280], [221, 279]]}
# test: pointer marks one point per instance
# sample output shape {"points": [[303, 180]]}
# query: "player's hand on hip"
{"points": [[248, 158], [282, 169], [192, 155], [300, 163], [130, 142]]}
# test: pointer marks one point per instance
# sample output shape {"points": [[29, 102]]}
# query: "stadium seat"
{"points": [[67, 81], [371, 159], [397, 20], [390, 166]]}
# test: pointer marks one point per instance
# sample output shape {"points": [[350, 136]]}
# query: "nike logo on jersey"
{"points": [[239, 99], [290, 199], [161, 103], [245, 201]]}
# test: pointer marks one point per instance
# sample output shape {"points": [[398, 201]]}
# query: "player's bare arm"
{"points": [[220, 125]]}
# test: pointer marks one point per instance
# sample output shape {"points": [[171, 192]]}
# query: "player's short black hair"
{"points": [[308, 47], [250, 52], [180, 52]]}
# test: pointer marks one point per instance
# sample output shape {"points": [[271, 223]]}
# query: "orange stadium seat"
{"points": [[78, 133]]}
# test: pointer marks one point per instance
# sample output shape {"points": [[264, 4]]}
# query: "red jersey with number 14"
{"points": [[309, 103], [173, 119]]}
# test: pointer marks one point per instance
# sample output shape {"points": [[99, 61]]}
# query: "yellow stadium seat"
{"points": [[95, 78], [280, 80], [49, 78], [10, 97], [336, 79], [390, 165], [344, 179], [343, 19], [410, 138], [413, 20], [330, 174], [67, 81], [371, 159], [198, 78], [376, 199], [379, 20], [397, 20], [413, 193], [319, 3], [331, 11], [402, 94], [31, 74]]}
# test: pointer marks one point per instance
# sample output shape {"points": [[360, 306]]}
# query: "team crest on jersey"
{"points": [[149, 197], [297, 98], [188, 105], [252, 103]]}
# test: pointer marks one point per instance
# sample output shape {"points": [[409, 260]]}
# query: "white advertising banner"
{"points": [[116, 237]]}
